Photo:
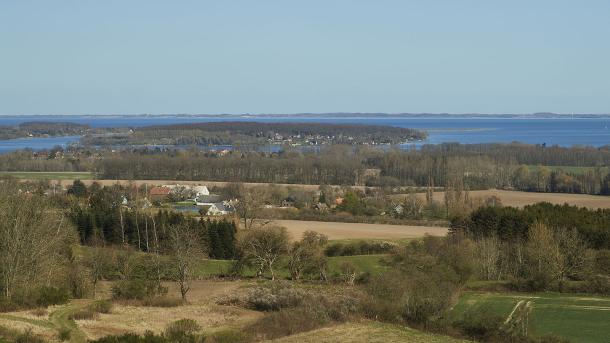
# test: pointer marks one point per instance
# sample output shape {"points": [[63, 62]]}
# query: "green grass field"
{"points": [[577, 318], [49, 175]]}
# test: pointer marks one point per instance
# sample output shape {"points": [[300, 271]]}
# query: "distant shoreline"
{"points": [[344, 115]]}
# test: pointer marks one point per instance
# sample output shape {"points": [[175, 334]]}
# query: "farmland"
{"points": [[335, 230], [520, 199], [575, 317]]}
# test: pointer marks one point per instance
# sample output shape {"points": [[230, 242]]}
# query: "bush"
{"points": [[288, 322], [84, 314], [64, 334], [227, 336], [101, 306], [148, 337], [7, 305], [480, 323], [359, 248], [274, 296], [47, 296], [12, 335], [28, 337], [182, 330], [39, 312], [599, 284], [93, 310]]}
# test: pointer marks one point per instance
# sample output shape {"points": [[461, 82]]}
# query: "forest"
{"points": [[253, 133], [40, 129]]}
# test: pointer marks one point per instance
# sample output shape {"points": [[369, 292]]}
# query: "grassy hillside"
{"points": [[367, 332], [577, 318]]}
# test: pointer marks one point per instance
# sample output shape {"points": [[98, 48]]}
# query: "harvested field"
{"points": [[520, 199], [335, 230]]}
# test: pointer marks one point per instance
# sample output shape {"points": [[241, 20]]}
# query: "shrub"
{"points": [[288, 322], [182, 330], [39, 312], [64, 334], [480, 323], [227, 336], [148, 337], [47, 296], [359, 248], [599, 284], [274, 296], [101, 306], [28, 337], [84, 314], [7, 306]]}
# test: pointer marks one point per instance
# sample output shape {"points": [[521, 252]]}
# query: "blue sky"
{"points": [[109, 57]]}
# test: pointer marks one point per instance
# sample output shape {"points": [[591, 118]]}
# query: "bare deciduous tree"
{"points": [[249, 204], [185, 249], [34, 241], [487, 251], [264, 246]]}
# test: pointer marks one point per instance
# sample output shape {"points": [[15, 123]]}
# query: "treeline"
{"points": [[504, 166], [510, 223], [28, 160], [340, 165], [518, 153], [225, 133], [541, 246], [39, 128]]}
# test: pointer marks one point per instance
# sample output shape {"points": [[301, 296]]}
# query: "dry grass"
{"points": [[366, 332], [201, 308], [125, 318], [22, 321], [335, 230], [140, 319]]}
